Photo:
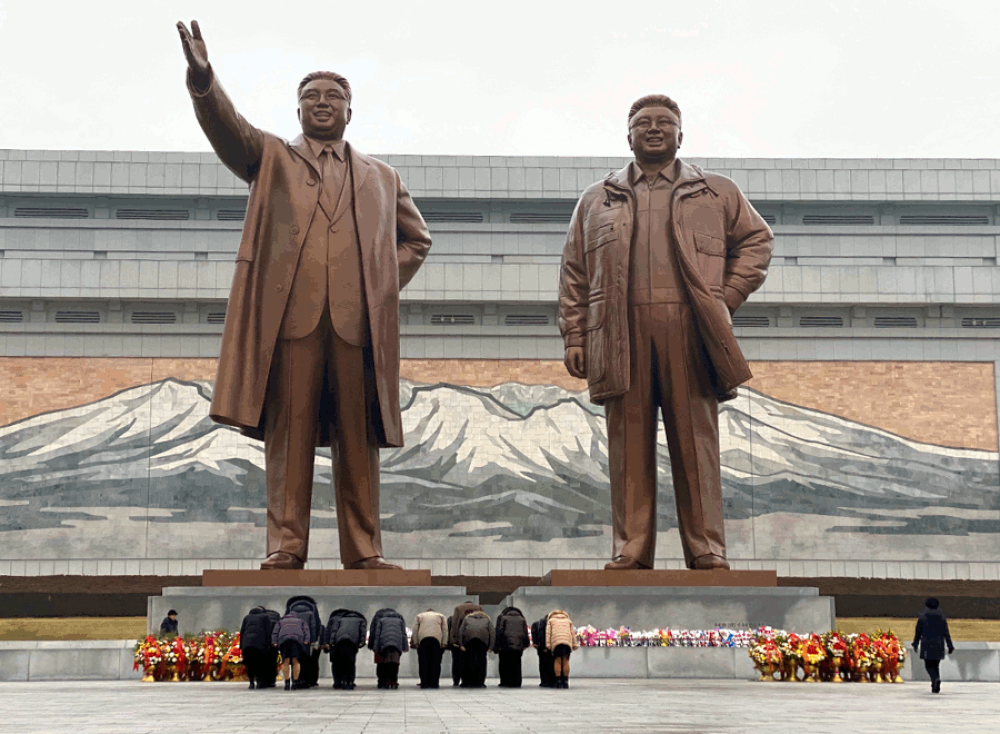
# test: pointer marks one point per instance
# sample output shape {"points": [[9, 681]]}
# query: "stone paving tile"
{"points": [[598, 706]]}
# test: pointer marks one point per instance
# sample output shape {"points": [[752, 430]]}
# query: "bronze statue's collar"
{"points": [[668, 173], [359, 161], [318, 146], [301, 146], [619, 182]]}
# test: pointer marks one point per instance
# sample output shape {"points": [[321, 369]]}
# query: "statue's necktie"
{"points": [[331, 181]]}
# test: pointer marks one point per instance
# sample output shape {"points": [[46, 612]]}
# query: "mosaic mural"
{"points": [[504, 471]]}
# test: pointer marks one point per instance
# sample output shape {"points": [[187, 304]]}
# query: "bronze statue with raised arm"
{"points": [[310, 349], [658, 257]]}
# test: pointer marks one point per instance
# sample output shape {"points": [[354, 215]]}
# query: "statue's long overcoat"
{"points": [[283, 199]]}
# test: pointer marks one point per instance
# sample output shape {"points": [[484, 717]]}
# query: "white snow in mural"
{"points": [[526, 462]]}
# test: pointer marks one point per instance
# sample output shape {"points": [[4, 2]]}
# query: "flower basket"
{"points": [[148, 655], [832, 657]]}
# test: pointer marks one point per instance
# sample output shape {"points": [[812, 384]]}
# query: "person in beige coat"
{"points": [[560, 639], [429, 638]]}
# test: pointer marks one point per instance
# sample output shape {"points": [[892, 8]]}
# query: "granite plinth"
{"points": [[971, 661], [656, 577], [112, 660], [52, 660], [203, 608], [798, 609], [305, 577]]}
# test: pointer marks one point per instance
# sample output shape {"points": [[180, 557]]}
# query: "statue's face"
{"points": [[324, 110], [654, 133]]}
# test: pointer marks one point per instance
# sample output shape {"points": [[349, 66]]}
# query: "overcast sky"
{"points": [[781, 78]]}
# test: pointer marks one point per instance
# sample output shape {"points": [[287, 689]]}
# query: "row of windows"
{"points": [[470, 319], [96, 316], [878, 322], [238, 215], [523, 318], [517, 217], [129, 213]]}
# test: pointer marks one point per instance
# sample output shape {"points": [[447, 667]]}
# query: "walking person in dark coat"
{"points": [[255, 641], [932, 636], [343, 637], [388, 641], [291, 636], [429, 637], [476, 637], [546, 663], [511, 642], [454, 622]]}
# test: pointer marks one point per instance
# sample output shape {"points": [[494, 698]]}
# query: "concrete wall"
{"points": [[73, 660], [112, 660]]}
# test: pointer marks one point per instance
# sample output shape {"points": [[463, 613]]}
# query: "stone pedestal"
{"points": [[331, 577], [681, 607], [655, 577], [223, 607]]}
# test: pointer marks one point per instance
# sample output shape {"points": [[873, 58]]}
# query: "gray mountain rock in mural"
{"points": [[527, 462]]}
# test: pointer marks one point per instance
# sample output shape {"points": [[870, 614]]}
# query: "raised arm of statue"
{"points": [[238, 143], [196, 53]]}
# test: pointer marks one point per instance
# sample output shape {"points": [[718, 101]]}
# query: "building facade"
{"points": [[866, 445]]}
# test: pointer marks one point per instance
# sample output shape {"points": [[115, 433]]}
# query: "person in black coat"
{"points": [[168, 627], [304, 607], [454, 623], [269, 668], [388, 641], [477, 636], [255, 641], [510, 643], [344, 635], [932, 635], [546, 663]]}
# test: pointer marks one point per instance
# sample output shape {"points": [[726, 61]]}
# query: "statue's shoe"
{"points": [[709, 562], [280, 560], [375, 563], [624, 563]]}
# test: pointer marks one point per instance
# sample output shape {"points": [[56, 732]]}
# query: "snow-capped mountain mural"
{"points": [[507, 464]]}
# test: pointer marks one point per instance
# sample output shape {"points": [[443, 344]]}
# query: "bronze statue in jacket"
{"points": [[658, 257]]}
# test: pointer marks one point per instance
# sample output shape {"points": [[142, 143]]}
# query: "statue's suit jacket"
{"points": [[283, 199]]}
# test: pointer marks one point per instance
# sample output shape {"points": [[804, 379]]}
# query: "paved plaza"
{"points": [[604, 706]]}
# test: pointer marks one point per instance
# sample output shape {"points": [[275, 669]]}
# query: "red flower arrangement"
{"points": [[210, 656], [857, 657]]}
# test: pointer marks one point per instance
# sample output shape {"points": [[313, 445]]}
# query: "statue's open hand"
{"points": [[195, 50], [576, 362]]}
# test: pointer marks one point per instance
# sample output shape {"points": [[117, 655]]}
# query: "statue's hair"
{"points": [[333, 77], [654, 100]]}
